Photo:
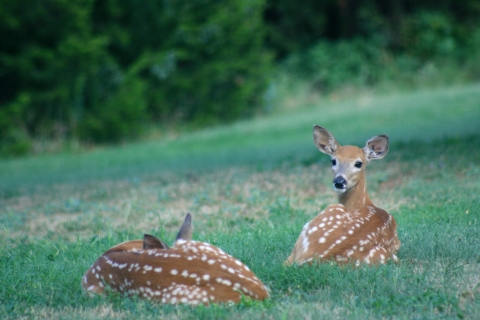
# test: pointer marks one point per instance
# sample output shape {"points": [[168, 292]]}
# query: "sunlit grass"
{"points": [[250, 187], [263, 142]]}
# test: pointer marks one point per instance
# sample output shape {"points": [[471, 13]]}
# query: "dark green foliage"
{"points": [[118, 115], [46, 50], [99, 70], [331, 65], [337, 44], [211, 65], [200, 60], [397, 24]]}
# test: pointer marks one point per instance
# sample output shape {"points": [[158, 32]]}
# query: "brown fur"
{"points": [[190, 272], [355, 230]]}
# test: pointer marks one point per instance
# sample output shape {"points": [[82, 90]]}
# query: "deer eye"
{"points": [[334, 162], [358, 164]]}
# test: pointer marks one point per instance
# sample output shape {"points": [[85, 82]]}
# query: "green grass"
{"points": [[250, 187]]}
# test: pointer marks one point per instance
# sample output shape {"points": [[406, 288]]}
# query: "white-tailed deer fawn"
{"points": [[190, 272], [354, 231]]}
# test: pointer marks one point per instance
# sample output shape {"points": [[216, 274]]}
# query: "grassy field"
{"points": [[250, 187]]}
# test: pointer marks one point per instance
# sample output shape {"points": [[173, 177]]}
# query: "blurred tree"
{"points": [[99, 69], [47, 52], [293, 27], [201, 60]]}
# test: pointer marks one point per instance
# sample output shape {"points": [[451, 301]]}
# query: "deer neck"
{"points": [[357, 196]]}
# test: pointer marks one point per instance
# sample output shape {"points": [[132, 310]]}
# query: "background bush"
{"points": [[370, 42], [99, 71], [398, 24]]}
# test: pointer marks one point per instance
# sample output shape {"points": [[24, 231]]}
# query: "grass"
{"points": [[250, 187]]}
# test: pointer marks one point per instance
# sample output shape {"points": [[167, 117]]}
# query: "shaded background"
{"points": [[105, 71]]}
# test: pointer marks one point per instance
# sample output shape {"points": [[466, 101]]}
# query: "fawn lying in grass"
{"points": [[190, 272], [355, 230]]}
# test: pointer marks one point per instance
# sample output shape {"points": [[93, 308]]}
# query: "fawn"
{"points": [[190, 272], [354, 231]]}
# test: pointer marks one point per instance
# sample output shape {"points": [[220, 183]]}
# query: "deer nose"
{"points": [[340, 182]]}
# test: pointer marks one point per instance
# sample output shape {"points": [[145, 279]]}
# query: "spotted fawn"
{"points": [[190, 272], [355, 230]]}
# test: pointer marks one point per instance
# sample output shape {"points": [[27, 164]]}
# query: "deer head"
{"points": [[349, 162]]}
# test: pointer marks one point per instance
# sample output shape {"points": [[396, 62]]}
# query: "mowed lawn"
{"points": [[250, 187]]}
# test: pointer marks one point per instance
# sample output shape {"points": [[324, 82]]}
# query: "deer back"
{"points": [[368, 235], [190, 272]]}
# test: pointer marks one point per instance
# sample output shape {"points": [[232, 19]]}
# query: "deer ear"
{"points": [[151, 242], [376, 148], [324, 140], [185, 232]]}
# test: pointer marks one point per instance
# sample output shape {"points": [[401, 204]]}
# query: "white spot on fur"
{"points": [[147, 267], [227, 282], [310, 231]]}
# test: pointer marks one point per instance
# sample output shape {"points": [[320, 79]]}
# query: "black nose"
{"points": [[340, 182]]}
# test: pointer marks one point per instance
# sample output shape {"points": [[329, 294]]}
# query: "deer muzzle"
{"points": [[340, 184]]}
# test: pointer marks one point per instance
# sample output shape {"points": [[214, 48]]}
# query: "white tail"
{"points": [[190, 272], [355, 230]]}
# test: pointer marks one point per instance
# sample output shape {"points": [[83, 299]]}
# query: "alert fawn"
{"points": [[355, 230], [190, 272]]}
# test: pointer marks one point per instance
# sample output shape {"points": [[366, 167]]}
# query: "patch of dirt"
{"points": [[159, 202]]}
